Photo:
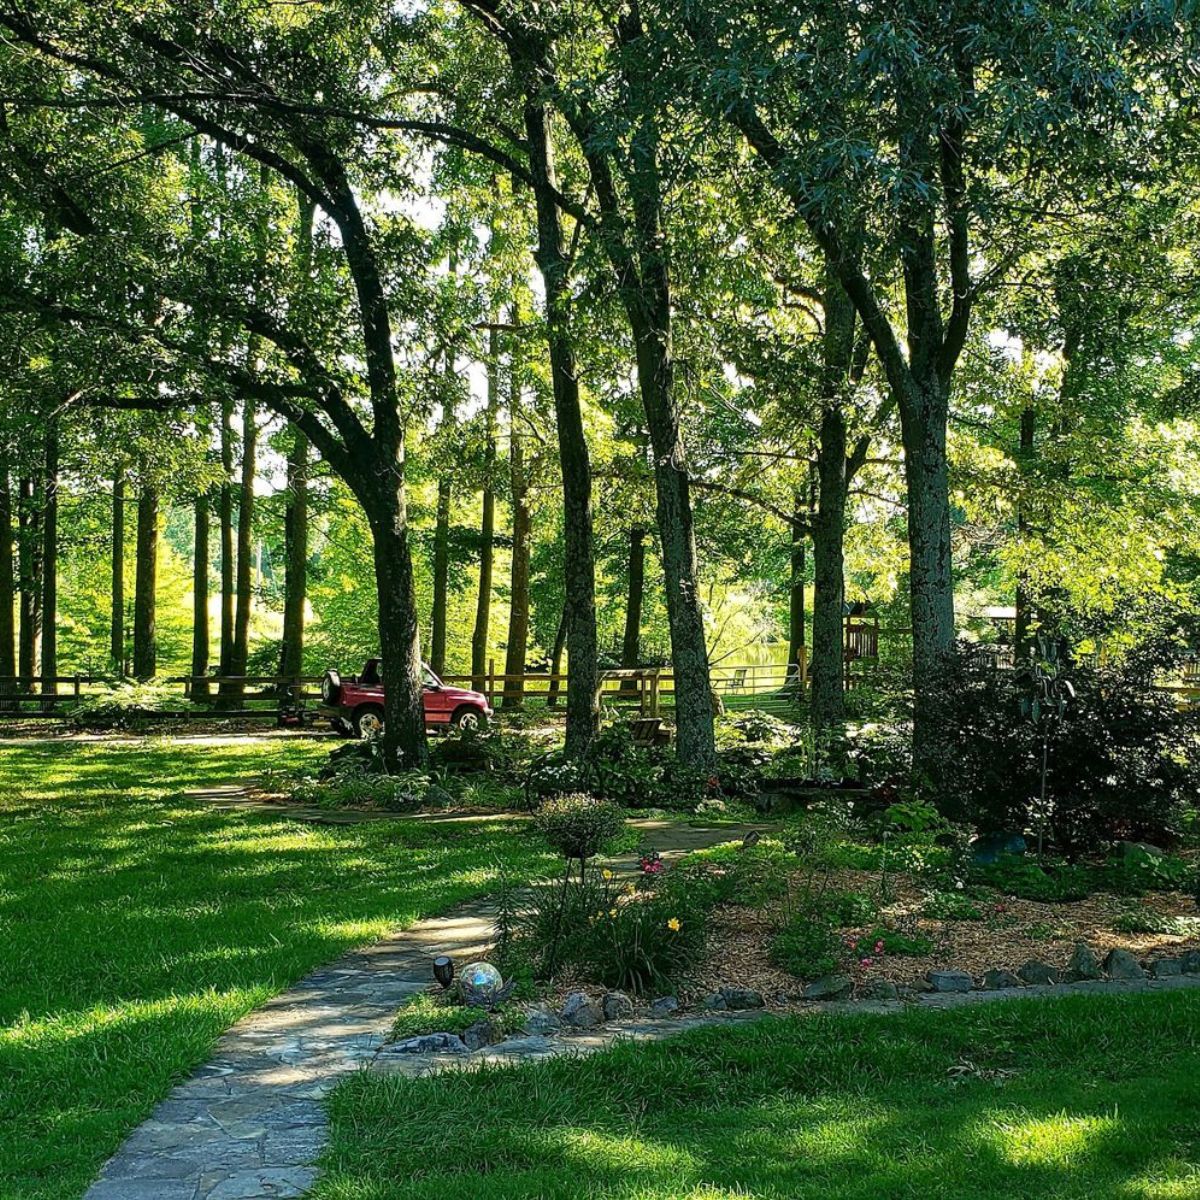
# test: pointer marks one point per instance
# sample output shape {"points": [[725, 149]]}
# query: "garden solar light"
{"points": [[443, 970]]}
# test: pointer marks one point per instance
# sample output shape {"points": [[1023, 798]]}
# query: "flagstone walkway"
{"points": [[249, 1124]]}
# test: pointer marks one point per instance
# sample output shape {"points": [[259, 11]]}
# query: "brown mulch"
{"points": [[1013, 932]]}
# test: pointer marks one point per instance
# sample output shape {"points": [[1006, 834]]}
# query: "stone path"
{"points": [[249, 1124]]}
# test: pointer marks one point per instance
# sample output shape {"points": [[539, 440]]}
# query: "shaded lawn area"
{"points": [[1085, 1097], [135, 926]]}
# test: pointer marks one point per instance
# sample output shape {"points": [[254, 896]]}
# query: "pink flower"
{"points": [[866, 962], [878, 947]]}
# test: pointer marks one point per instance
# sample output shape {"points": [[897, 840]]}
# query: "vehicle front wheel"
{"points": [[467, 718], [368, 720]]}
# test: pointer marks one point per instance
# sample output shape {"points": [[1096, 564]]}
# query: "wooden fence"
{"points": [[649, 690]]}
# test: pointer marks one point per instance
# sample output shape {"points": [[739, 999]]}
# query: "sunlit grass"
{"points": [[1075, 1099], [135, 926]]}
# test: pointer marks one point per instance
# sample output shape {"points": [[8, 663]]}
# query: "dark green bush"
{"points": [[1123, 760]]}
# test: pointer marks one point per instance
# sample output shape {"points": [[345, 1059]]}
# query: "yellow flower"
{"points": [[606, 874], [674, 925], [612, 912]]}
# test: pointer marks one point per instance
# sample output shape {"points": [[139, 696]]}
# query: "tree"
{"points": [[941, 140]]}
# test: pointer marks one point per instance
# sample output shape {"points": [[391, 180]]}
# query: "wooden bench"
{"points": [[648, 731]]}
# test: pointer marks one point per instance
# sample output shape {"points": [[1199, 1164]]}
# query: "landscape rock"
{"points": [[431, 1043], [665, 1005], [1166, 968], [580, 1011], [1191, 962], [1037, 972], [829, 987], [1084, 964], [742, 998], [998, 979], [541, 1021], [617, 1006], [880, 989], [950, 981], [1120, 964], [714, 1002], [486, 1032], [1138, 851]]}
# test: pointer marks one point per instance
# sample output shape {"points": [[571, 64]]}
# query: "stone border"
{"points": [[539, 1047], [249, 1123]]}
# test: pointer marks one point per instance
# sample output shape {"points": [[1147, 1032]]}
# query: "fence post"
{"points": [[491, 683]]}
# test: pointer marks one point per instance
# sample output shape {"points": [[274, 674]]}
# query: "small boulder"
{"points": [[949, 981], [580, 1011], [1166, 968], [431, 1043], [1139, 851], [742, 998], [829, 987], [541, 1021], [1191, 962], [617, 1006], [1037, 972], [1120, 964], [879, 989], [486, 1032], [664, 1006], [1084, 964], [714, 1002], [999, 979]]}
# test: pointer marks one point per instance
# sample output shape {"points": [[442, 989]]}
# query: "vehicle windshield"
{"points": [[430, 679]]}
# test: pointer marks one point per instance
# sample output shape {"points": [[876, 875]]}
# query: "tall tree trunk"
{"points": [[145, 646], [696, 743], [8, 591], [291, 661], [799, 568], [636, 573], [200, 629], [828, 528], [923, 417], [487, 525], [579, 561], [517, 645], [829, 520], [116, 630], [441, 571], [29, 562], [1024, 461], [556, 653], [228, 561], [245, 554], [399, 641], [50, 563]]}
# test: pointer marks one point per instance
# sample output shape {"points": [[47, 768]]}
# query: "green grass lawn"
{"points": [[135, 926], [1086, 1097]]}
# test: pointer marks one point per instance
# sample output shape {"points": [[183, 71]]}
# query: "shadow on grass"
{"points": [[1075, 1098], [134, 930]]}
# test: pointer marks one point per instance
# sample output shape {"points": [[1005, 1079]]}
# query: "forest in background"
{"points": [[662, 323]]}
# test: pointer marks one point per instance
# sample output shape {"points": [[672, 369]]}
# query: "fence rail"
{"points": [[649, 690]]}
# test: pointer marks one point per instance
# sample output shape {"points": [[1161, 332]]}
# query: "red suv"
{"points": [[357, 702]]}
